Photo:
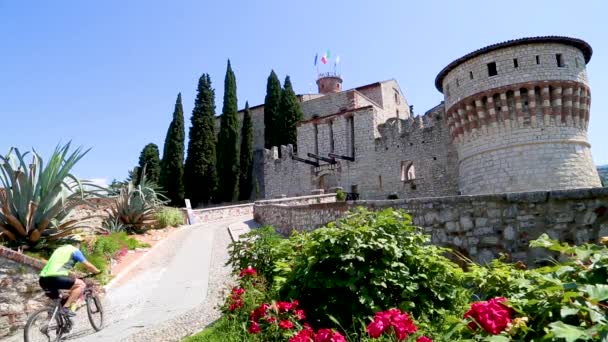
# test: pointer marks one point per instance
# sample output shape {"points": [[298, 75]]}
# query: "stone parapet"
{"points": [[481, 226]]}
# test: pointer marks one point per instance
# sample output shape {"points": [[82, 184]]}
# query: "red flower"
{"points": [[493, 316], [286, 324], [299, 314], [376, 328], [259, 312], [270, 319], [237, 291], [328, 335], [423, 339], [254, 328], [248, 271], [283, 306], [236, 305], [305, 335]]}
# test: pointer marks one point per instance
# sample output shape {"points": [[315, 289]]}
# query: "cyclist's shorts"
{"points": [[52, 285]]}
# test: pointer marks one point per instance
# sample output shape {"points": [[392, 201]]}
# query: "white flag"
{"points": [[337, 59]]}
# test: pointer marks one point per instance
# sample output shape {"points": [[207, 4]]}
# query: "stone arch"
{"points": [[326, 181]]}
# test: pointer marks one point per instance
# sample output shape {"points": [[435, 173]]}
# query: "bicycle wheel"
{"points": [[94, 311], [40, 328]]}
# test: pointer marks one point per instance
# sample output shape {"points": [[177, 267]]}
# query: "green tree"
{"points": [[246, 160], [200, 173], [149, 157], [172, 165], [228, 142], [272, 104], [291, 114]]}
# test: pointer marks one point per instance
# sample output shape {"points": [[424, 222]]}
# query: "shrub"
{"points": [[38, 197], [169, 217], [340, 195], [370, 261], [135, 205]]}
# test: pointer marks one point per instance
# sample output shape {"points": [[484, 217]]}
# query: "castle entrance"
{"points": [[327, 181]]}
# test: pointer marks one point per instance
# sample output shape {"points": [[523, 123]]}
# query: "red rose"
{"points": [[254, 328], [376, 328], [328, 335], [259, 312], [423, 339], [493, 316], [286, 324], [271, 319], [237, 291]]}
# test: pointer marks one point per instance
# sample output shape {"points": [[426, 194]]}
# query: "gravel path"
{"points": [[174, 292]]}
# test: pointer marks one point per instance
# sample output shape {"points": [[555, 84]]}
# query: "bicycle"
{"points": [[52, 324]]}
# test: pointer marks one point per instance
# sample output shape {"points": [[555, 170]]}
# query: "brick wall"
{"points": [[482, 226]]}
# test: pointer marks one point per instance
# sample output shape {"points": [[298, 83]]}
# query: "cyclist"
{"points": [[56, 273]]}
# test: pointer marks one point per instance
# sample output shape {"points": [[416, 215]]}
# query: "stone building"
{"points": [[514, 118]]}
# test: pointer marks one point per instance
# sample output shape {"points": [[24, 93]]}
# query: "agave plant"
{"points": [[37, 199], [136, 204]]}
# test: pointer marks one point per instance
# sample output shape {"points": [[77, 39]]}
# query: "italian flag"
{"points": [[325, 57]]}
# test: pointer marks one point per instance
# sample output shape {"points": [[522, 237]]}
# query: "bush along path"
{"points": [[372, 276]]}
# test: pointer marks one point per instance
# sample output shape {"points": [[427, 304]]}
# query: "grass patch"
{"points": [[222, 330], [169, 217]]}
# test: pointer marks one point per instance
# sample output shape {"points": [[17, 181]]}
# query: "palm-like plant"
{"points": [[135, 205], [38, 199]]}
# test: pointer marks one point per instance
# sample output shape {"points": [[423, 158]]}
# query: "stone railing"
{"points": [[20, 293], [282, 212], [479, 226]]}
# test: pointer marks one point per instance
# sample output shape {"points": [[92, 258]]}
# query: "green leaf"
{"points": [[597, 292], [568, 332], [497, 338], [568, 311]]}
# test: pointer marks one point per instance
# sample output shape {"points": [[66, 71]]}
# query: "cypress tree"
{"points": [[246, 160], [149, 157], [291, 114], [199, 172], [228, 142], [172, 164], [271, 111]]}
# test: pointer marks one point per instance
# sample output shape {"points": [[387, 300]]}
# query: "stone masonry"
{"points": [[480, 226], [20, 293], [514, 119]]}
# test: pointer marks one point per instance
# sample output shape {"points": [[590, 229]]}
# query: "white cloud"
{"points": [[99, 181]]}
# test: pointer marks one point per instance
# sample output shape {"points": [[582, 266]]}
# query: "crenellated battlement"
{"points": [[399, 128], [273, 155]]}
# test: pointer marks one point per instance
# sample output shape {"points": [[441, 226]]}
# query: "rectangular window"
{"points": [[396, 97], [492, 69], [350, 132], [515, 63], [316, 133], [537, 59], [470, 74], [331, 136], [560, 60]]}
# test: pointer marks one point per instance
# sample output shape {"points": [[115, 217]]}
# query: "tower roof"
{"points": [[575, 42]]}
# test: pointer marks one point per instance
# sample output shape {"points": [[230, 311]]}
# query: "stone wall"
{"points": [[20, 293], [220, 213], [480, 226], [271, 211]]}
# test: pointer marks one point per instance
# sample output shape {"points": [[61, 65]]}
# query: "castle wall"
{"points": [[525, 128], [528, 70], [480, 226]]}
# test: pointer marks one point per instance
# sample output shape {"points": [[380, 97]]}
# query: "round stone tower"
{"points": [[329, 82], [518, 113]]}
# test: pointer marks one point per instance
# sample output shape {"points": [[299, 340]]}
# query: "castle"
{"points": [[514, 119]]}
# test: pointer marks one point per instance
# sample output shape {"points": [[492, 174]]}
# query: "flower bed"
{"points": [[375, 277]]}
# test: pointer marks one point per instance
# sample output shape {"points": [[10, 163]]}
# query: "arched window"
{"points": [[408, 172]]}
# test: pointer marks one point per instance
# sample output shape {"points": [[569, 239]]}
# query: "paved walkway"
{"points": [[167, 296]]}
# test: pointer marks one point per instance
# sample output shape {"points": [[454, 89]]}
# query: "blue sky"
{"points": [[105, 74]]}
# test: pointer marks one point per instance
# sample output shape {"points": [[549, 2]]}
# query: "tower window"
{"points": [[515, 63], [560, 60], [331, 137], [447, 90], [457, 82], [407, 171], [397, 113], [537, 59], [316, 133], [492, 69], [396, 97], [470, 74]]}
